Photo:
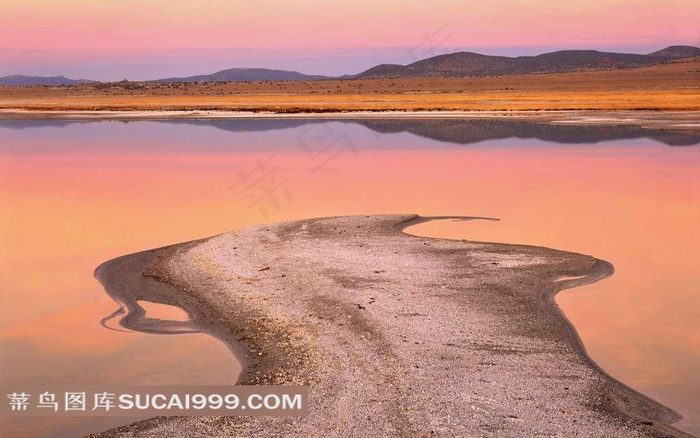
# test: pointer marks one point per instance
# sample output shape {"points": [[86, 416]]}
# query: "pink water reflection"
{"points": [[69, 208]]}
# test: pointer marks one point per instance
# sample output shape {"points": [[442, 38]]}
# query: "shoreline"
{"points": [[659, 119], [124, 281], [237, 309], [638, 400]]}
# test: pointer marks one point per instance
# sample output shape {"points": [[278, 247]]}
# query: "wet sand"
{"points": [[396, 335]]}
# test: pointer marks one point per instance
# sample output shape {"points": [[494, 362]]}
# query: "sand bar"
{"points": [[396, 335]]}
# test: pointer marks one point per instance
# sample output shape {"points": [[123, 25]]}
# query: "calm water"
{"points": [[75, 194]]}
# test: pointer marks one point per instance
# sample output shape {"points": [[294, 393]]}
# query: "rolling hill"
{"points": [[475, 64], [247, 74], [677, 52]]}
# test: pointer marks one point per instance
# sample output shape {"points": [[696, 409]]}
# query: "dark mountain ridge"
{"points": [[475, 64], [677, 52]]}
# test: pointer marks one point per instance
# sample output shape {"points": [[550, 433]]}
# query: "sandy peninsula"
{"points": [[396, 335]]}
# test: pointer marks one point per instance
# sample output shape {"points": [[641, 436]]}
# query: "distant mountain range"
{"points": [[40, 80], [248, 74], [475, 64], [459, 64]]}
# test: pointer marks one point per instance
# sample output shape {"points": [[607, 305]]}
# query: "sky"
{"points": [[149, 39]]}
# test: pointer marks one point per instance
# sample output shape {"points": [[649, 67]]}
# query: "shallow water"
{"points": [[164, 312], [76, 194]]}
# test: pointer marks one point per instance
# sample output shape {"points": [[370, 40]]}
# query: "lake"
{"points": [[78, 193]]}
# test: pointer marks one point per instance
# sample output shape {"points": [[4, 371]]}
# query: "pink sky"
{"points": [[111, 39]]}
